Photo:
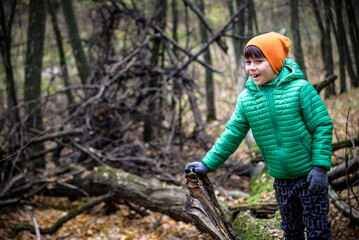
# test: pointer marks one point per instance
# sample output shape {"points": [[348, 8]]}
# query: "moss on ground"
{"points": [[261, 187], [249, 227]]}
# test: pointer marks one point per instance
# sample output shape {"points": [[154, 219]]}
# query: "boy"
{"points": [[293, 131]]}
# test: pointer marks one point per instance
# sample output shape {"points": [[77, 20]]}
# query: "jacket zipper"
{"points": [[269, 97]]}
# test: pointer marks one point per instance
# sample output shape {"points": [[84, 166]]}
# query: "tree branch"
{"points": [[73, 213], [326, 82]]}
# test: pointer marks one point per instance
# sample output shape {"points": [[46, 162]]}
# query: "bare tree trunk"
{"points": [[341, 45], [242, 27], [295, 26], [210, 88], [319, 21], [354, 36], [33, 68], [5, 48], [177, 84], [153, 81], [241, 30], [60, 48], [75, 40], [329, 65]]}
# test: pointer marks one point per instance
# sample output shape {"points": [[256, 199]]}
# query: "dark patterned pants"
{"points": [[301, 208]]}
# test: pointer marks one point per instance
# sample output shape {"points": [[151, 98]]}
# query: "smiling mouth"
{"points": [[255, 76]]}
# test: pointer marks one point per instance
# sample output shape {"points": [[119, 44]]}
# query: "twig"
{"points": [[53, 135], [71, 214], [88, 151], [33, 219], [12, 182]]}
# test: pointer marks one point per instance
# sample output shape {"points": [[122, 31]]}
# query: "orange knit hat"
{"points": [[274, 46]]}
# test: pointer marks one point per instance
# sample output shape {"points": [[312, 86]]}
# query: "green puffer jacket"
{"points": [[289, 122]]}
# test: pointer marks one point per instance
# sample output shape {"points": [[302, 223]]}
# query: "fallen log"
{"points": [[148, 193], [348, 211], [262, 209], [343, 169], [346, 144]]}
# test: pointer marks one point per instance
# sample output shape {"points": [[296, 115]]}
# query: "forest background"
{"points": [[101, 98]]}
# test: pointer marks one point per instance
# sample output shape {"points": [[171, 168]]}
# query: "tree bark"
{"points": [[149, 193], [200, 133], [5, 49], [75, 40], [343, 169], [157, 53], [295, 26], [33, 68], [210, 102], [202, 206], [63, 66], [153, 195], [320, 24], [354, 36], [341, 43], [329, 65], [240, 27]]}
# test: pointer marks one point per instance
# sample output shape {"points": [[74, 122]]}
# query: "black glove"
{"points": [[317, 179], [198, 167]]}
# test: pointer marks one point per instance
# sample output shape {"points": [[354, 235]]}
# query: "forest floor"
{"points": [[125, 224]]}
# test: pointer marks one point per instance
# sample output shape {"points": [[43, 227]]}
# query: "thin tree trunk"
{"points": [[244, 27], [230, 5], [241, 26], [210, 103], [341, 43], [295, 26], [153, 82], [177, 86], [33, 68], [5, 48], [60, 48], [75, 40], [319, 21], [329, 65], [354, 36]]}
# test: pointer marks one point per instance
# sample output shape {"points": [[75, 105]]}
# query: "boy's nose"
{"points": [[252, 66]]}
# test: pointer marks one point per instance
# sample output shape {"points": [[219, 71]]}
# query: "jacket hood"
{"points": [[289, 72]]}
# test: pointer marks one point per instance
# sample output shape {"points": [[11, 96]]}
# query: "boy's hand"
{"points": [[198, 167], [317, 179]]}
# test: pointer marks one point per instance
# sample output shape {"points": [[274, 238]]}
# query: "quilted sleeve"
{"points": [[236, 129], [319, 124]]}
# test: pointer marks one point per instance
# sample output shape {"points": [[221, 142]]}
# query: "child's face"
{"points": [[260, 70]]}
